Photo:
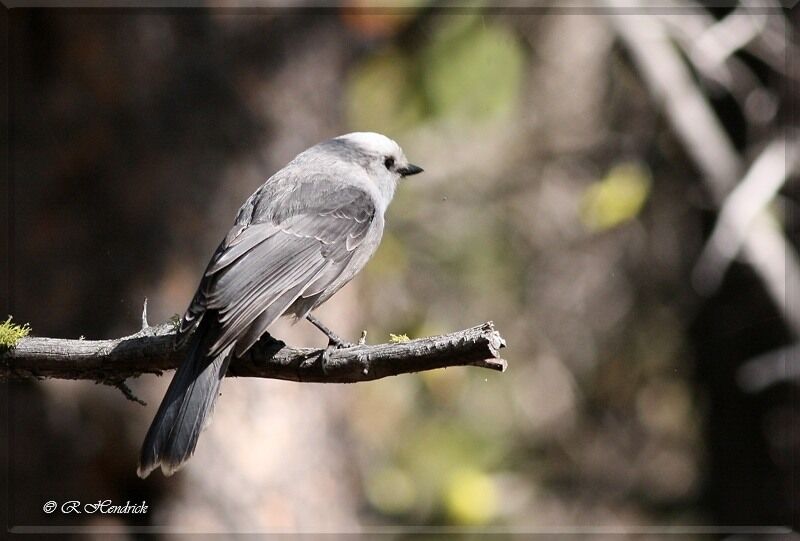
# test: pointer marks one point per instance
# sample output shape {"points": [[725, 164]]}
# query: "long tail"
{"points": [[188, 404]]}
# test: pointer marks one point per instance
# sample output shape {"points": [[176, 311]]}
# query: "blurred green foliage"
{"points": [[381, 95], [440, 469], [391, 490], [469, 69], [471, 497], [617, 198]]}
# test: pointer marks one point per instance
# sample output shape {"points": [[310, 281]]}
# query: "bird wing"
{"points": [[261, 268]]}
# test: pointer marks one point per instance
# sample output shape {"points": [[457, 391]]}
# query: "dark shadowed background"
{"points": [[576, 164]]}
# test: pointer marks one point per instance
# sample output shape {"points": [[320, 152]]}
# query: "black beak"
{"points": [[409, 170]]}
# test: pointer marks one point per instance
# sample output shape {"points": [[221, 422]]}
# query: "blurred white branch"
{"points": [[686, 108], [759, 28], [723, 38], [711, 46], [704, 138], [776, 261], [750, 197], [771, 368]]}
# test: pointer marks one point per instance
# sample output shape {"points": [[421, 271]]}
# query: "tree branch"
{"points": [[152, 350]]}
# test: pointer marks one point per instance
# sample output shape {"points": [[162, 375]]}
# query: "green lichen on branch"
{"points": [[398, 338], [11, 334]]}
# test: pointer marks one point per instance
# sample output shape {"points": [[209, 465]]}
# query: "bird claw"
{"points": [[334, 343], [337, 343], [333, 338]]}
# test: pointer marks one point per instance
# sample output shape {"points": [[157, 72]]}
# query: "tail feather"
{"points": [[188, 404]]}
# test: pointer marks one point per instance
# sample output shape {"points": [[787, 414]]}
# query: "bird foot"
{"points": [[337, 343], [333, 338], [325, 355], [334, 342]]}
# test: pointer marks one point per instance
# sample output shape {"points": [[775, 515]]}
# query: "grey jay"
{"points": [[306, 232]]}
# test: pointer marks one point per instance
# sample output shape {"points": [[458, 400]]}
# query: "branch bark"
{"points": [[152, 350]]}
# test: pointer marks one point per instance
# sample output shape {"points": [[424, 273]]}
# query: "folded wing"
{"points": [[262, 268]]}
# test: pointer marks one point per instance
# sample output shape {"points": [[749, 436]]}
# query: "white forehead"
{"points": [[373, 142]]}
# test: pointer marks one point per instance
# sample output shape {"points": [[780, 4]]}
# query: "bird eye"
{"points": [[388, 162]]}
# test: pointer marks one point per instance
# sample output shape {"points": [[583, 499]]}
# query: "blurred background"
{"points": [[616, 189]]}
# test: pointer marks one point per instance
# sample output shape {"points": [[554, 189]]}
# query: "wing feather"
{"points": [[260, 269], [242, 242]]}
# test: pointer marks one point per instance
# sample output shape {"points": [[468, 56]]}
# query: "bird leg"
{"points": [[333, 338], [334, 341]]}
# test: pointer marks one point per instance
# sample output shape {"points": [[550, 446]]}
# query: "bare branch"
{"points": [[153, 350]]}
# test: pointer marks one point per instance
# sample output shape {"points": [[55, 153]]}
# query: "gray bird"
{"points": [[297, 240]]}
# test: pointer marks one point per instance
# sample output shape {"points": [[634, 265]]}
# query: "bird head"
{"points": [[381, 156]]}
